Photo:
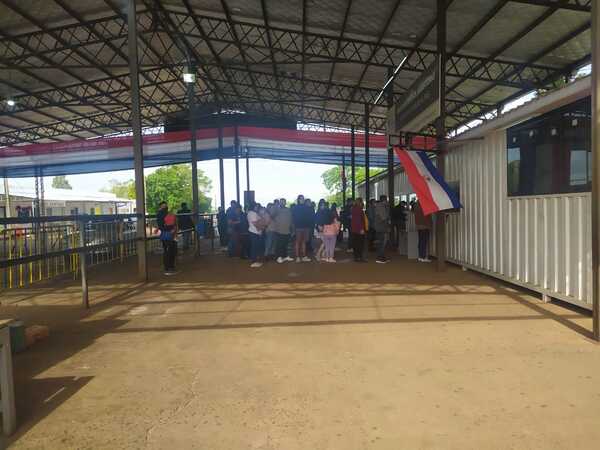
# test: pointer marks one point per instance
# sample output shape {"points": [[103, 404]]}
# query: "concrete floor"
{"points": [[304, 356]]}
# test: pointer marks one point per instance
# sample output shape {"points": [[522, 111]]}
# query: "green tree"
{"points": [[173, 184], [61, 182], [332, 180], [122, 189]]}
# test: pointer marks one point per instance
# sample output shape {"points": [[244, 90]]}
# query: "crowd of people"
{"points": [[264, 233], [301, 232]]}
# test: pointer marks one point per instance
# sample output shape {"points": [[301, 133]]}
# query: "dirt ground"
{"points": [[303, 356]]}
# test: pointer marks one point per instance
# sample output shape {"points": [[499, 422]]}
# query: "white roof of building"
{"points": [[72, 195]]}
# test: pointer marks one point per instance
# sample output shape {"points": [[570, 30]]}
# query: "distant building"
{"points": [[64, 202]]}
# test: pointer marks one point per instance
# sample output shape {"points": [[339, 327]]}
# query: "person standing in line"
{"points": [[185, 224], [244, 230], [335, 212], [321, 218], [167, 224], [310, 240], [233, 216], [331, 228], [222, 227], [256, 226], [283, 229], [303, 223], [270, 236], [370, 213], [359, 229], [398, 223], [381, 225], [346, 220], [424, 225], [163, 209]]}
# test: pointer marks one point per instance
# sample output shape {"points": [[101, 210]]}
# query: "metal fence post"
{"points": [[212, 232], [83, 266]]}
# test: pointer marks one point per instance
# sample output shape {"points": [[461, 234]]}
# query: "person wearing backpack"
{"points": [[167, 224], [381, 225]]}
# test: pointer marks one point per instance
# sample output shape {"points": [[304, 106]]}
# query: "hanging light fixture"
{"points": [[189, 76], [9, 100]]}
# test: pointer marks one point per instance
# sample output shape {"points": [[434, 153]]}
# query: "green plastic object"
{"points": [[17, 336]]}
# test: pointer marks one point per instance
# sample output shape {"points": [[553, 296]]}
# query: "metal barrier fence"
{"points": [[42, 248]]}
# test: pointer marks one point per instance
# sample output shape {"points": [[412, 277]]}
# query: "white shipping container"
{"points": [[540, 242]]}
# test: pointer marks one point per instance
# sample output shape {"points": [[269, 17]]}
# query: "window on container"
{"points": [[551, 153], [577, 125]]}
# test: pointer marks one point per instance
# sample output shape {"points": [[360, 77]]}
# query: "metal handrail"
{"points": [[75, 218], [85, 217], [27, 257]]}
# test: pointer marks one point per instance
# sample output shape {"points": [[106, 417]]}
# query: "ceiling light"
{"points": [[189, 77], [236, 10], [412, 36], [11, 102]]}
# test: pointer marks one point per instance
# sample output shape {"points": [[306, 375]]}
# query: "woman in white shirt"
{"points": [[256, 226]]}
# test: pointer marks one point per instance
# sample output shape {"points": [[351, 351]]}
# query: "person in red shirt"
{"points": [[358, 227]]}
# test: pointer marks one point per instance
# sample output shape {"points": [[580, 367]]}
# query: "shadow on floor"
{"points": [[219, 279]]}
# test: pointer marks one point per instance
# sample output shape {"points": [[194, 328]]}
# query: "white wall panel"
{"points": [[540, 242]]}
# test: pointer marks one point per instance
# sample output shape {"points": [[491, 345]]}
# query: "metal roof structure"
{"points": [[65, 63]]}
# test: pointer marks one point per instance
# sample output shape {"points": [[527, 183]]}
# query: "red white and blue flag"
{"points": [[433, 192]]}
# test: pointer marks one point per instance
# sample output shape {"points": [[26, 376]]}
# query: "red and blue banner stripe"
{"points": [[433, 192]]}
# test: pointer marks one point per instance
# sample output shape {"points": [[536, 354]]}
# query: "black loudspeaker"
{"points": [[248, 198], [180, 121]]}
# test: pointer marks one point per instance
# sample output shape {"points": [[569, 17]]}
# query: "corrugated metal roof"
{"points": [[65, 63]]}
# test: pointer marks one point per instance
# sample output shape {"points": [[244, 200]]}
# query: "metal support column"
{"points": [[596, 168], [138, 152], [367, 158], [42, 195], [237, 164], [191, 94], [221, 169], [390, 180], [390, 155], [247, 171], [7, 212], [440, 223], [36, 202], [36, 213], [353, 161], [344, 183]]}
